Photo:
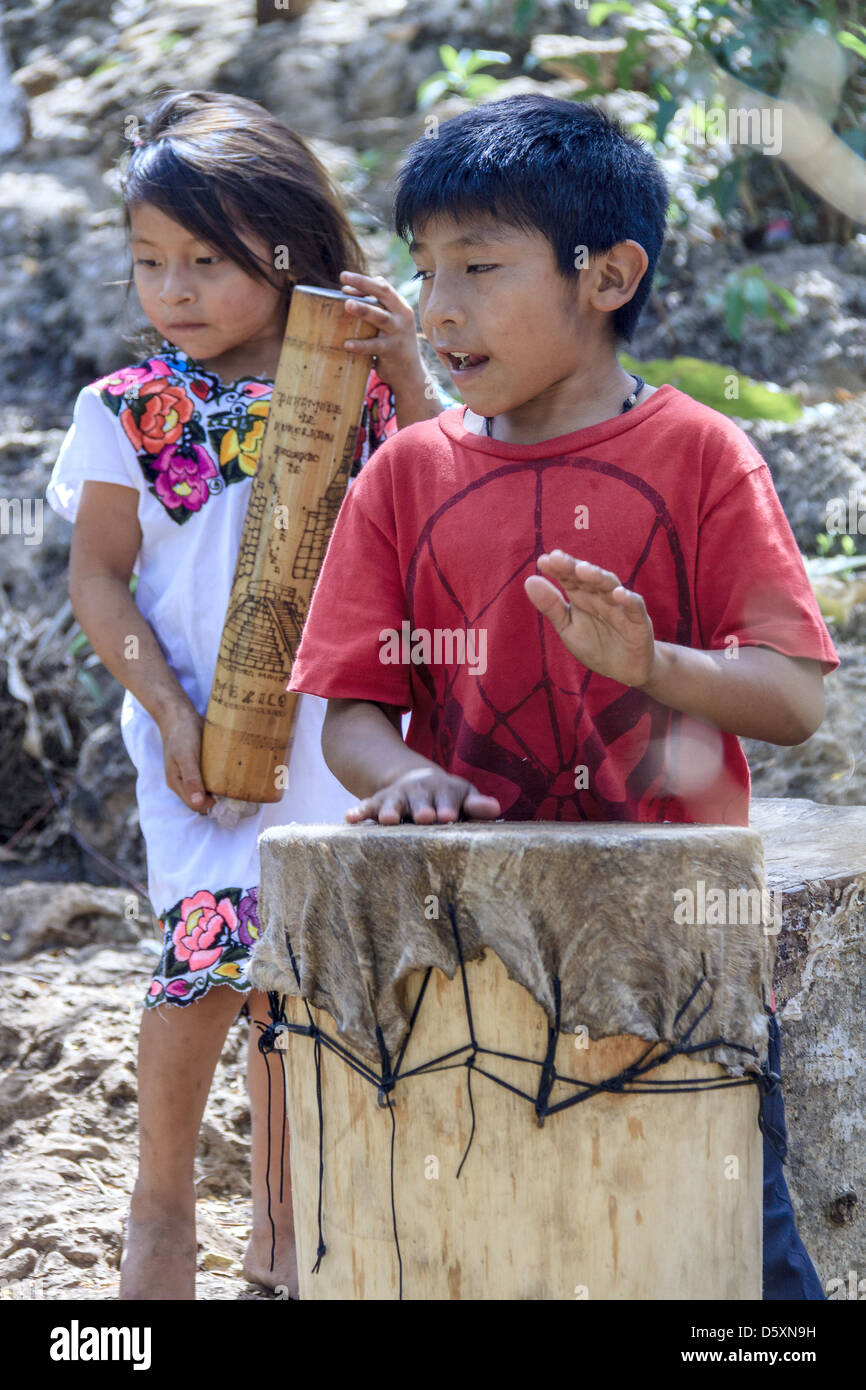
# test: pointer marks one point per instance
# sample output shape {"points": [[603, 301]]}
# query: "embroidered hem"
{"points": [[207, 941]]}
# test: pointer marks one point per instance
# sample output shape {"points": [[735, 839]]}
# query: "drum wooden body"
{"points": [[622, 1196]]}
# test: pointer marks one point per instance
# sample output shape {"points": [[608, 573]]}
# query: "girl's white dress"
{"points": [[189, 445]]}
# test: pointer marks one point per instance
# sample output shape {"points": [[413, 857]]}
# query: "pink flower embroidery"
{"points": [[118, 382], [181, 481], [203, 927]]}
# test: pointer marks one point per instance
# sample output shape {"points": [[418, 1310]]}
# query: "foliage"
{"points": [[749, 291], [401, 270], [834, 577], [840, 564], [749, 39], [460, 74], [721, 387]]}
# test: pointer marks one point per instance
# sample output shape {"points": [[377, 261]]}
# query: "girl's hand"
{"points": [[426, 796], [395, 348], [603, 624], [181, 745]]}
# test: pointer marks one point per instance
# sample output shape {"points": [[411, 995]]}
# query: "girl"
{"points": [[155, 472]]}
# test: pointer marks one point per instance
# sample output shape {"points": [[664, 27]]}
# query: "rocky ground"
{"points": [[76, 949], [68, 1042]]}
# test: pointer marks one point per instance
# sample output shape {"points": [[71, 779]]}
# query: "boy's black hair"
{"points": [[563, 168]]}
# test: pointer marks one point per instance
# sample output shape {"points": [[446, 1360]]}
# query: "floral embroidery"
{"points": [[378, 421], [166, 410], [188, 455], [247, 447], [181, 481], [120, 381], [207, 940]]}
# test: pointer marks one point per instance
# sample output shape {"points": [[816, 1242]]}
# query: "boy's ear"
{"points": [[615, 275]]}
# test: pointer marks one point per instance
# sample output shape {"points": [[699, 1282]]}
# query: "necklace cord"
{"points": [[626, 405]]}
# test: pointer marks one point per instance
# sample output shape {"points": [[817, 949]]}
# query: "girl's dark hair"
{"points": [[217, 163], [563, 168]]}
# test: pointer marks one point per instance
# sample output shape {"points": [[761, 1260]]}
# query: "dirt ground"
{"points": [[68, 1131]]}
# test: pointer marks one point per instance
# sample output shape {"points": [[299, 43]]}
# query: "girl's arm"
{"points": [[413, 399], [105, 542]]}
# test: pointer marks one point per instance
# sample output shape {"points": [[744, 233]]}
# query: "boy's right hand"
{"points": [[181, 745], [426, 796]]}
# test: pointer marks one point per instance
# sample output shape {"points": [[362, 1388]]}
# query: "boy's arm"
{"points": [[756, 693], [363, 746]]}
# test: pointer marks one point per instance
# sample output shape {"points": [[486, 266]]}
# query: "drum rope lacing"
{"points": [[631, 1080]]}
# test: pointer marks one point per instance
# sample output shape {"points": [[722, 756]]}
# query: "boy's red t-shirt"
{"points": [[443, 526]]}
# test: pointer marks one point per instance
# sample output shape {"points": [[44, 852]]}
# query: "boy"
{"points": [[670, 611]]}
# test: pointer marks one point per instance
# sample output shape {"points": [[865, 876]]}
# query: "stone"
{"points": [[40, 915], [816, 860], [19, 1264]]}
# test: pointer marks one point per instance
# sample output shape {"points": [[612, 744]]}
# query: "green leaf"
{"points": [[449, 57], [756, 295], [724, 188], [667, 109], [782, 324], [588, 63], [630, 58], [482, 56], [522, 15], [848, 41], [480, 85], [710, 383], [432, 89], [735, 308], [597, 14], [789, 300]]}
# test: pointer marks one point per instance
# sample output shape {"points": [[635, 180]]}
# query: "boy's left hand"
{"points": [[395, 347], [603, 624]]}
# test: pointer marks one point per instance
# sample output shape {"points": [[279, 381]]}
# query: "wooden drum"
{"points": [[548, 955]]}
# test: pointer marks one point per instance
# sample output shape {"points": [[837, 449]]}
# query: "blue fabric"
{"points": [[788, 1271]]}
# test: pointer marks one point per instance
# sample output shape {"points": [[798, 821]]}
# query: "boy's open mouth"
{"points": [[461, 363]]}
